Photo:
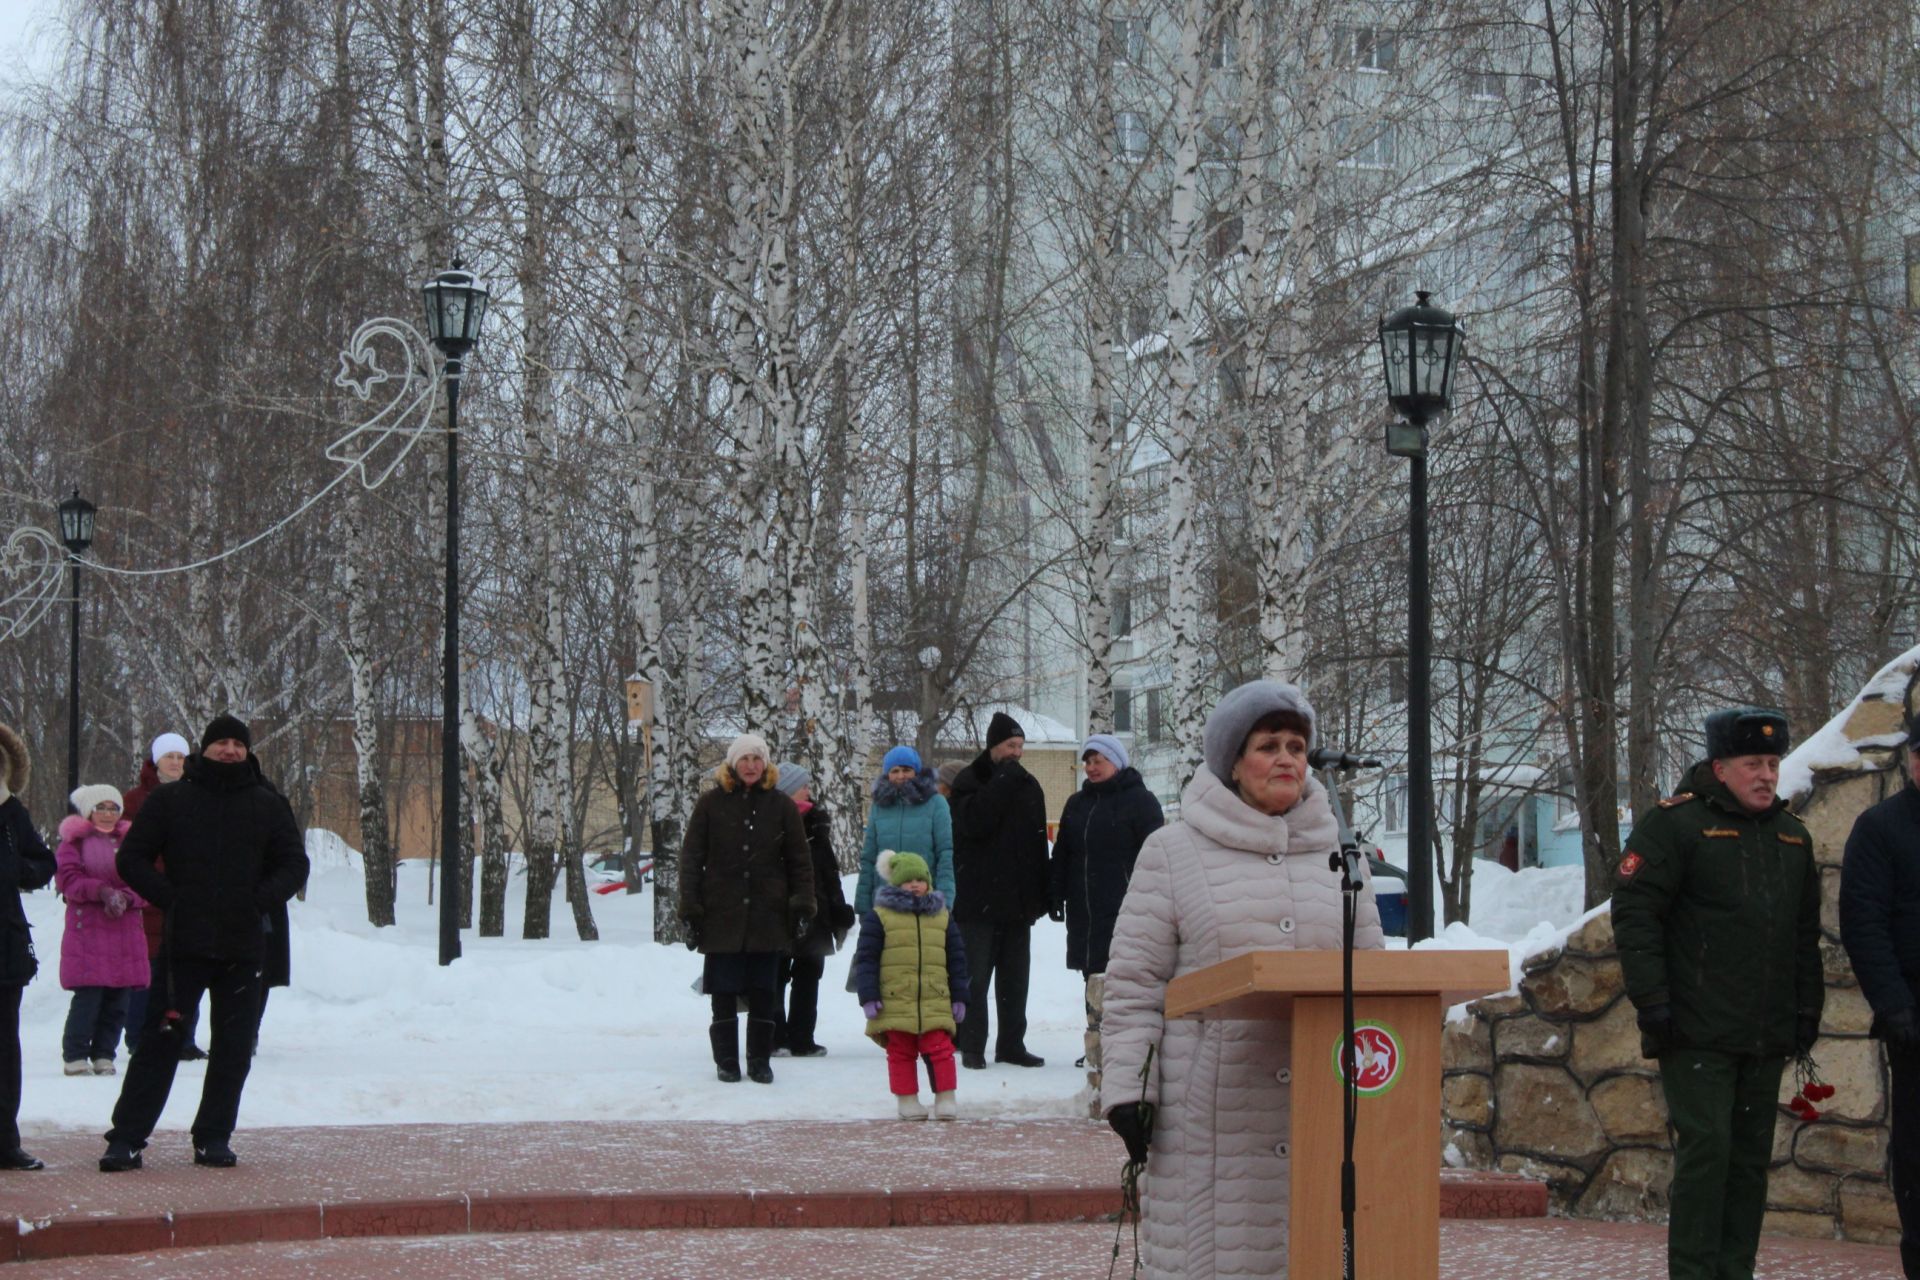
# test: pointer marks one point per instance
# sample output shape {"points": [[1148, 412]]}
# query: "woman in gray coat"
{"points": [[1244, 869]]}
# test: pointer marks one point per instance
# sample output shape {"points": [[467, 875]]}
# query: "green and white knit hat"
{"points": [[899, 868]]}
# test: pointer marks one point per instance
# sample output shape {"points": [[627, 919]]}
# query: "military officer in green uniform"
{"points": [[1716, 911]]}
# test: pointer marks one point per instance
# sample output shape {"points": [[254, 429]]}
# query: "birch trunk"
{"points": [[376, 847], [1183, 400], [478, 749], [1099, 508]]}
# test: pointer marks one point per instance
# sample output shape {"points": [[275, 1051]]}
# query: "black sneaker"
{"points": [[1020, 1058], [193, 1053], [20, 1161], [974, 1061], [120, 1158], [215, 1155], [809, 1051]]}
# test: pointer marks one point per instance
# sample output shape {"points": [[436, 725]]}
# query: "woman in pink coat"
{"points": [[103, 954]]}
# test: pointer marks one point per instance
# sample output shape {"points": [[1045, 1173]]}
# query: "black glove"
{"points": [[1656, 1029], [1133, 1123], [843, 917], [1057, 912], [1806, 1029], [1901, 1029], [692, 930]]}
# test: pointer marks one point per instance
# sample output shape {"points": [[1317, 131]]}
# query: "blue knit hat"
{"points": [[1107, 745], [901, 755]]}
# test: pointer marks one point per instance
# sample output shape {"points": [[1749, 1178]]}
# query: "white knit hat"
{"points": [[747, 744], [88, 798], [170, 742]]}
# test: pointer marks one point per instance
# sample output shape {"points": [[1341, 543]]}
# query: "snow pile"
{"points": [[1830, 748]]}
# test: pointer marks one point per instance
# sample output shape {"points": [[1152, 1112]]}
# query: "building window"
{"points": [[1123, 711], [1155, 721], [1129, 41], [1373, 150], [1486, 86], [1225, 54], [1223, 234], [1913, 273], [1395, 803], [1130, 134], [1367, 48], [1122, 612], [1130, 233], [1139, 320], [1220, 141]]}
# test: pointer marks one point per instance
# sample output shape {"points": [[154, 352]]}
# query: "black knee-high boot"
{"points": [[725, 1034], [759, 1050]]}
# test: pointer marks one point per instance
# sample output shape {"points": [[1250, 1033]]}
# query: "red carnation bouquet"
{"points": [[1812, 1089]]}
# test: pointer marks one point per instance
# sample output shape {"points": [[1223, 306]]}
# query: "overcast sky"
{"points": [[18, 19]]}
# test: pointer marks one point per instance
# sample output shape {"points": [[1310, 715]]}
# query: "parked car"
{"points": [[1390, 894]]}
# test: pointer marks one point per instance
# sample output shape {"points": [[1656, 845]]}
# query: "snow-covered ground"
{"points": [[373, 1031]]}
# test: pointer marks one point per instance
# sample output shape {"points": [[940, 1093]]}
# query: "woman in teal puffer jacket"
{"points": [[910, 815]]}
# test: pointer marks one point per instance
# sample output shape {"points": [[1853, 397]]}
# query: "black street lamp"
{"points": [[456, 303], [1419, 346], [76, 531]]}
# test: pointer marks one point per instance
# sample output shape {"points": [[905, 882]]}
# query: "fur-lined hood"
{"points": [[73, 827], [915, 790], [894, 898], [16, 765], [730, 781]]}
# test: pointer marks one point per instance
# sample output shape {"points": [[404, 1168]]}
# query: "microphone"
{"points": [[1331, 758]]}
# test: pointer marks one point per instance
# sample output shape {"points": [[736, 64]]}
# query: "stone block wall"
{"points": [[1549, 1082]]}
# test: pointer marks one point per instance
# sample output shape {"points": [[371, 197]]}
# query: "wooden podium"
{"points": [[1400, 999]]}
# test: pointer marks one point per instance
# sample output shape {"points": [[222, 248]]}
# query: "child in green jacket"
{"points": [[908, 968]]}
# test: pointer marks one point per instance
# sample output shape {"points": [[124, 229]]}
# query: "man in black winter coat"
{"points": [[1880, 928], [1002, 886], [233, 856]]}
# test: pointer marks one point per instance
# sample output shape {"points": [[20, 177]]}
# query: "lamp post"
{"points": [[456, 303], [1419, 346], [76, 531]]}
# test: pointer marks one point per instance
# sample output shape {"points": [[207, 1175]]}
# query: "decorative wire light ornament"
{"points": [[30, 565], [31, 559]]}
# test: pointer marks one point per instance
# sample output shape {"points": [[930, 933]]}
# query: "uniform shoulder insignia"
{"points": [[1675, 801]]}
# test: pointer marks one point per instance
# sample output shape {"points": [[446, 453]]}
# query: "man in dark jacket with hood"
{"points": [[1001, 886], [1880, 928], [1101, 830], [1716, 912], [233, 856]]}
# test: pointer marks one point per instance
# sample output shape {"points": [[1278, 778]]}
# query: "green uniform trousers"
{"points": [[1722, 1107]]}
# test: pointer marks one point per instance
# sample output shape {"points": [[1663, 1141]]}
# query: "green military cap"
{"points": [[1747, 731]]}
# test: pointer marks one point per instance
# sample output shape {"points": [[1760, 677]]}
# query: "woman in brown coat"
{"points": [[746, 895]]}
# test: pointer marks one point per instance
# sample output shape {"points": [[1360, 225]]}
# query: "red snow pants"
{"points": [[903, 1061]]}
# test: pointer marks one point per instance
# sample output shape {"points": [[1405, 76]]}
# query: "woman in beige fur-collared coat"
{"points": [[1244, 869]]}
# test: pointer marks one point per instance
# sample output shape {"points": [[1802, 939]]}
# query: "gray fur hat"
{"points": [[16, 766], [1239, 711]]}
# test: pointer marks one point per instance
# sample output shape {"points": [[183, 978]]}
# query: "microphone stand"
{"points": [[1349, 864]]}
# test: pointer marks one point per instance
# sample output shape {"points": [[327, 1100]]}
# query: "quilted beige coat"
{"points": [[1224, 880]]}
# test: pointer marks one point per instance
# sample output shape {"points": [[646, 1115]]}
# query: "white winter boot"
{"points": [[911, 1108], [944, 1107]]}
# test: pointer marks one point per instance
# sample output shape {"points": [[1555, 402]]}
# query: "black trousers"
{"points": [[1003, 955], [1904, 1067], [761, 1005], [233, 999], [9, 1066], [800, 975]]}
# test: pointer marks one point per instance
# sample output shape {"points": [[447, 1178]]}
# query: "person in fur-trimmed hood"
{"points": [[103, 953], [746, 898], [910, 969], [25, 864], [908, 813]]}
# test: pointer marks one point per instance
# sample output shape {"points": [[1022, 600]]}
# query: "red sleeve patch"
{"points": [[1631, 864]]}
